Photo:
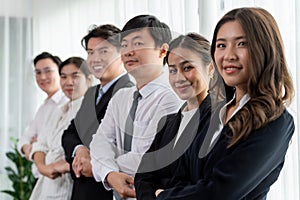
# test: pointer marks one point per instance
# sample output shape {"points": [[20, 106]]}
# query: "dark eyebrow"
{"points": [[182, 63], [101, 48], [105, 47], [74, 73], [185, 62], [134, 38], [236, 38]]}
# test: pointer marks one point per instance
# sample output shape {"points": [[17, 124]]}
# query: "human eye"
{"points": [[63, 76], [138, 43], [242, 43], [187, 68], [47, 70], [172, 70], [90, 52], [220, 45], [37, 72], [124, 45], [75, 76]]}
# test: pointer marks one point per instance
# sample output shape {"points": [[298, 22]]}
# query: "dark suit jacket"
{"points": [[80, 131], [243, 171], [159, 163]]}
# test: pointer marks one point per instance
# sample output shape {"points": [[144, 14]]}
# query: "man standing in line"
{"points": [[103, 49], [126, 133], [48, 79]]}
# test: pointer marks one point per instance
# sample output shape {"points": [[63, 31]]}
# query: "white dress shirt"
{"points": [[106, 148], [49, 142], [223, 112], [37, 125]]}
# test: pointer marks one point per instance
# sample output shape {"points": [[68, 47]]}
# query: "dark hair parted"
{"points": [[270, 86], [159, 31], [107, 32], [45, 55], [79, 62], [194, 42]]}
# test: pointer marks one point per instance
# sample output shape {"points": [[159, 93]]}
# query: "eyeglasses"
{"points": [[45, 71]]}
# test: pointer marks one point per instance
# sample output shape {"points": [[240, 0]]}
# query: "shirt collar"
{"points": [[110, 83], [72, 104], [160, 81], [242, 102], [56, 97]]}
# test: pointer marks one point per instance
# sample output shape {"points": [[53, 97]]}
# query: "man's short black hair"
{"points": [[45, 55], [107, 31], [159, 31]]}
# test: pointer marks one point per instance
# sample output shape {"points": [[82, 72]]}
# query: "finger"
{"points": [[130, 180], [75, 163], [78, 170], [130, 192]]}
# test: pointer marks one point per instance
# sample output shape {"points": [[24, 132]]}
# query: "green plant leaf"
{"points": [[11, 193], [20, 176]]}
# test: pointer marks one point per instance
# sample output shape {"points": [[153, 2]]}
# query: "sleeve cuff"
{"points": [[75, 149]]}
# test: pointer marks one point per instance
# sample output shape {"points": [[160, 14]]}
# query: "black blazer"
{"points": [[243, 171], [80, 131], [161, 160]]}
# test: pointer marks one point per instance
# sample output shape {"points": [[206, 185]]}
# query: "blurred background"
{"points": [[28, 27]]}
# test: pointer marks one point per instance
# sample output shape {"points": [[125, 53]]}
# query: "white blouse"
{"points": [[49, 142]]}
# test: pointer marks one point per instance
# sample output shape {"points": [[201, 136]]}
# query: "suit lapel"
{"points": [[93, 114], [102, 105]]}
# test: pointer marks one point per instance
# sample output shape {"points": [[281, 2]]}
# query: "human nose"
{"points": [[179, 77], [230, 54], [69, 80], [93, 57], [128, 51], [42, 75]]}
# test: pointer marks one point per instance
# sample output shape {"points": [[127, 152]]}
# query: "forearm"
{"points": [[39, 159]]}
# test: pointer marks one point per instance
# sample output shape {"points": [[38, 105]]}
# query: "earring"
{"points": [[211, 75]]}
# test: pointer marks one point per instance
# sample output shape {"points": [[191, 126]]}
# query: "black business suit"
{"points": [[165, 158], [80, 131], [243, 171]]}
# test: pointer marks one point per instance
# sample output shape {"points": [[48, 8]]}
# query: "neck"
{"points": [[239, 93], [238, 97], [105, 81], [194, 102], [50, 94], [142, 81]]}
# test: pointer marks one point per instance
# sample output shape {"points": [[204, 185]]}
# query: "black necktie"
{"points": [[129, 122]]}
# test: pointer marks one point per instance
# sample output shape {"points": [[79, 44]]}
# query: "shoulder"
{"points": [[91, 92], [124, 81], [122, 94], [92, 88], [283, 124]]}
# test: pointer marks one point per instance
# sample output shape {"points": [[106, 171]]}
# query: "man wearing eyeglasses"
{"points": [[47, 78]]}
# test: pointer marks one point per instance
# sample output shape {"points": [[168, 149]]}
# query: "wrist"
{"points": [[81, 150], [108, 178]]}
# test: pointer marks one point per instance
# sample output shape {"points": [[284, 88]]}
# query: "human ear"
{"points": [[163, 50], [211, 70], [89, 80]]}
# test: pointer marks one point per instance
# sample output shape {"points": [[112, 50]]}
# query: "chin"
{"points": [[183, 97]]}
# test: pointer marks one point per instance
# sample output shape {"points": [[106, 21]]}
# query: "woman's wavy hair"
{"points": [[270, 85]]}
